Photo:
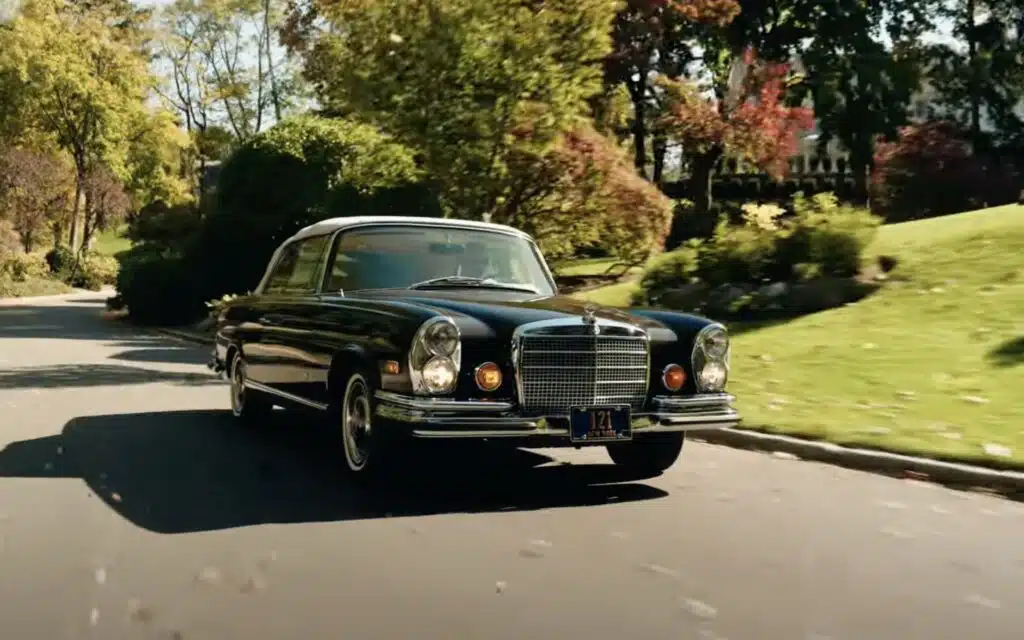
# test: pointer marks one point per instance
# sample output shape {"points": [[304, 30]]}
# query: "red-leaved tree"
{"points": [[583, 190], [931, 170], [751, 121]]}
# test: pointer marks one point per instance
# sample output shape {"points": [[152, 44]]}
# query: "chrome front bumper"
{"points": [[439, 418]]}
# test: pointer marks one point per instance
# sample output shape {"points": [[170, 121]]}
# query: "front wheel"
{"points": [[366, 446], [248, 405], [652, 455]]}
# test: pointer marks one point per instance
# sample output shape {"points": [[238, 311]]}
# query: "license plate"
{"points": [[600, 424]]}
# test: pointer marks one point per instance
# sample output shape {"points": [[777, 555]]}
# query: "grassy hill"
{"points": [[933, 363]]}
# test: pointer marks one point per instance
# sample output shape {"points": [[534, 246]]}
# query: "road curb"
{"points": [[942, 472]]}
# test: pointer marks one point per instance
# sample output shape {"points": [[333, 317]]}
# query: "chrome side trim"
{"points": [[443, 405], [249, 384]]}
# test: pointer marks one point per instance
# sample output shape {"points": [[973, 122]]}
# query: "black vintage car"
{"points": [[400, 328]]}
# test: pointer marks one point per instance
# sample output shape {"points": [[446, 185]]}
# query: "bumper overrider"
{"points": [[442, 418]]}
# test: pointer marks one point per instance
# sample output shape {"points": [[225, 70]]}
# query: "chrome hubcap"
{"points": [[357, 424], [238, 386]]}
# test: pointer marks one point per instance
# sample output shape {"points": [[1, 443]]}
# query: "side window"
{"points": [[298, 268]]}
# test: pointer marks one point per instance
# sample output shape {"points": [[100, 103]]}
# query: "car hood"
{"points": [[490, 313]]}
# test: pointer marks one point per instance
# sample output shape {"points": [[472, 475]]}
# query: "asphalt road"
{"points": [[131, 506]]}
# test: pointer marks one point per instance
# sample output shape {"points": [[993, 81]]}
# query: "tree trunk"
{"points": [[702, 169], [660, 147], [638, 92], [76, 209], [973, 81]]}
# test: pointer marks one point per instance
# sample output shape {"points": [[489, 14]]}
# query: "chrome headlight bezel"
{"points": [[428, 345], [711, 347]]}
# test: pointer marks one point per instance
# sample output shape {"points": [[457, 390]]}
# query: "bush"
{"points": [[668, 271], [583, 192], [931, 170], [60, 259], [300, 171], [737, 253], [94, 271], [20, 267], [824, 238], [10, 241], [158, 287]]}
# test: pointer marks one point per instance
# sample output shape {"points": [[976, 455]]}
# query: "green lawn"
{"points": [[111, 242], [933, 363]]}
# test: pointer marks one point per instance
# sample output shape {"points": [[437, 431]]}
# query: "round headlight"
{"points": [[441, 338], [715, 343], [712, 376], [439, 375]]}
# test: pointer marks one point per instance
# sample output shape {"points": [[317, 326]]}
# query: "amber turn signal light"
{"points": [[392, 367], [673, 377], [488, 376]]}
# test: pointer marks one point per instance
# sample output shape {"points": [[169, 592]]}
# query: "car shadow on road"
{"points": [[188, 471], [95, 375]]}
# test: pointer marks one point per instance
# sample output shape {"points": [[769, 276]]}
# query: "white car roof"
{"points": [[334, 224]]}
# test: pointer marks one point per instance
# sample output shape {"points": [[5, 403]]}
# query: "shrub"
{"points": [[668, 271], [60, 259], [581, 192], [165, 226], [824, 238], [10, 241], [931, 170], [94, 271], [302, 170], [736, 253], [157, 287], [20, 267]]}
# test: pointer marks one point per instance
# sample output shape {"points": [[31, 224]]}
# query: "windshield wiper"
{"points": [[469, 281]]}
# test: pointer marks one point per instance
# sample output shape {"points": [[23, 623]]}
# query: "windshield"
{"points": [[393, 256]]}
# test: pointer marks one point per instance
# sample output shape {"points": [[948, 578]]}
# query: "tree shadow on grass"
{"points": [[186, 471], [1009, 353]]}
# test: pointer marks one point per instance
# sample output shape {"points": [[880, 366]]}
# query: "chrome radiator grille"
{"points": [[559, 372]]}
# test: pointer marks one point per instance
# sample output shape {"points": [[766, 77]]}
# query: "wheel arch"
{"points": [[347, 361]]}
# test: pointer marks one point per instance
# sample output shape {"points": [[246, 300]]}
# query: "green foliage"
{"points": [[827, 234], [331, 168], [19, 267], [455, 78], [583, 192], [668, 271], [821, 239], [158, 287], [737, 253], [60, 259], [95, 271]]}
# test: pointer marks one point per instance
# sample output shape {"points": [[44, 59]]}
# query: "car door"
{"points": [[287, 363]]}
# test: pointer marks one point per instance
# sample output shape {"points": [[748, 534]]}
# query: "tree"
{"points": [[653, 38], [583, 191], [35, 194], [80, 82], [223, 64], [932, 170], [984, 79], [107, 203], [453, 78], [751, 121]]}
